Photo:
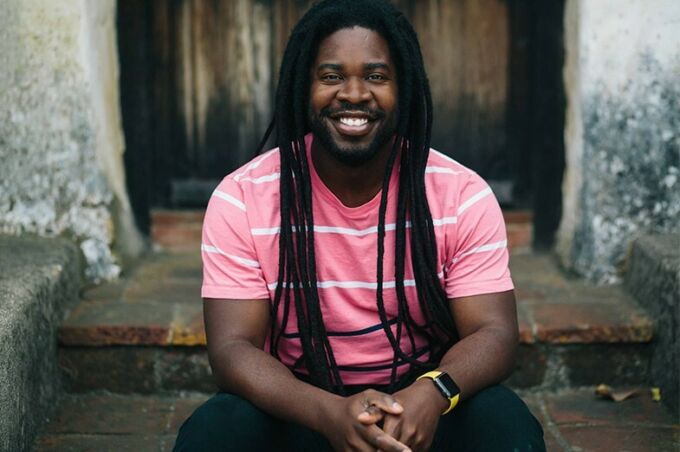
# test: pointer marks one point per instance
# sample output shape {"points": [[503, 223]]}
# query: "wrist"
{"points": [[429, 392], [327, 408]]}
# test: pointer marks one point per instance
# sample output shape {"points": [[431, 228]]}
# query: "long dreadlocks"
{"points": [[297, 278]]}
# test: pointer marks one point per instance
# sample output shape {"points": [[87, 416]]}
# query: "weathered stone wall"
{"points": [[653, 277], [60, 137], [39, 282], [622, 78]]}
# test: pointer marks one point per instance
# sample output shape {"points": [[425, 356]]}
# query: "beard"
{"points": [[352, 155]]}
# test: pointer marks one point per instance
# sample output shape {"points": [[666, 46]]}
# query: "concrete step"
{"points": [[180, 230], [145, 332], [653, 278], [572, 420]]}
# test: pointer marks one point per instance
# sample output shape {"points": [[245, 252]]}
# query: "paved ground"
{"points": [[158, 303], [573, 420], [572, 334]]}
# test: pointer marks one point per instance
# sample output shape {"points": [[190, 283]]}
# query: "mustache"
{"points": [[346, 107]]}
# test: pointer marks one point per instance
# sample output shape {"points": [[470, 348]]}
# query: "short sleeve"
{"points": [[231, 269], [477, 254]]}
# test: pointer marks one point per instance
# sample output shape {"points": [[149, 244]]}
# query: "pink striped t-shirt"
{"points": [[240, 256]]}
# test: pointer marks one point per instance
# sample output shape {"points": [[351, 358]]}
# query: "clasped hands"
{"points": [[372, 420]]}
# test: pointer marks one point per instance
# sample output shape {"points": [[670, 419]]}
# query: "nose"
{"points": [[354, 90]]}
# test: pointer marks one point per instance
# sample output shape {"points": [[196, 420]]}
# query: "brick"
{"points": [[518, 216], [629, 438], [166, 266], [185, 369], [111, 414], [163, 292], [526, 334], [526, 295], [183, 408], [612, 364], [520, 236], [530, 368], [117, 369], [117, 323], [590, 323], [537, 272], [110, 291], [188, 326], [583, 407], [163, 217], [177, 238], [552, 444]]}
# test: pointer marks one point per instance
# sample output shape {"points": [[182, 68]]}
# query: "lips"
{"points": [[352, 126], [352, 122]]}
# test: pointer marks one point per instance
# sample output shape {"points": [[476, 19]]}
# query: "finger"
{"points": [[392, 426], [381, 440], [385, 402], [371, 415]]}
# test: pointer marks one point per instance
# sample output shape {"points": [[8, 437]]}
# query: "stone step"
{"points": [[572, 420], [145, 332], [180, 230], [176, 230]]}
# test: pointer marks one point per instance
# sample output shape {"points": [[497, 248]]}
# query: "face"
{"points": [[353, 95]]}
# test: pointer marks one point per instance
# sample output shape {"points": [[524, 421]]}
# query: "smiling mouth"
{"points": [[353, 122]]}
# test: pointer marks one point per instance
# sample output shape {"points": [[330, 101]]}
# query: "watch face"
{"points": [[448, 387]]}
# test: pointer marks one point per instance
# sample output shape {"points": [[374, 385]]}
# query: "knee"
{"points": [[500, 414], [226, 420]]}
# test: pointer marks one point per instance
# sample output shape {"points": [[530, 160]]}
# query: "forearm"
{"points": [[245, 370], [481, 359]]}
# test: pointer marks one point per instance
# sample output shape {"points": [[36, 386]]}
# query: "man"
{"points": [[355, 281]]}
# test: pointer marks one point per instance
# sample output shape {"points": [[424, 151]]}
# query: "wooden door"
{"points": [[198, 79]]}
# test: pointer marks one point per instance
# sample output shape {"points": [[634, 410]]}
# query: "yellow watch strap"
{"points": [[434, 374]]}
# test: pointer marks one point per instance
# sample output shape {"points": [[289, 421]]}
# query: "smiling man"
{"points": [[356, 285]]}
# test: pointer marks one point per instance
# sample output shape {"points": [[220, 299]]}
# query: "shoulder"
{"points": [[451, 184], [255, 179]]}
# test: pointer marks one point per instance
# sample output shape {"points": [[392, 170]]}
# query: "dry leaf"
{"points": [[607, 392]]}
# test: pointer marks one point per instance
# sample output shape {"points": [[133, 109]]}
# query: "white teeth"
{"points": [[355, 122]]}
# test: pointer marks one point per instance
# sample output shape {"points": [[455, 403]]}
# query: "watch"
{"points": [[445, 384]]}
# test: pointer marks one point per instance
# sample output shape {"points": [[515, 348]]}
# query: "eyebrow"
{"points": [[367, 66]]}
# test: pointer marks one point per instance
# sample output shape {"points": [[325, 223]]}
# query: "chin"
{"points": [[354, 157]]}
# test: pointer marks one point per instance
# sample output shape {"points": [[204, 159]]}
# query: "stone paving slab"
{"points": [[145, 332], [573, 420], [159, 304]]}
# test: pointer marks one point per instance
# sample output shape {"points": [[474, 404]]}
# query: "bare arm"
{"points": [[484, 355], [489, 337], [236, 331]]}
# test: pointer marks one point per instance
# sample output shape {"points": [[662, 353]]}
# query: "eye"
{"points": [[376, 77], [331, 77]]}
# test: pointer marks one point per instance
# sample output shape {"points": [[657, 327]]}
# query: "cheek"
{"points": [[319, 98]]}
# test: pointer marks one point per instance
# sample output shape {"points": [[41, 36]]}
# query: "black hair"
{"points": [[297, 278]]}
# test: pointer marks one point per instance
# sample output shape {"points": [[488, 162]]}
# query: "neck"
{"points": [[353, 185]]}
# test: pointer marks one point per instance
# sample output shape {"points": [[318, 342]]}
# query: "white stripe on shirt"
{"points": [[241, 260], [255, 164], [230, 199], [481, 249], [463, 207], [357, 284], [258, 180], [351, 231]]}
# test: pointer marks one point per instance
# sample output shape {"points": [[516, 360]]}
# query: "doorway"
{"points": [[198, 79]]}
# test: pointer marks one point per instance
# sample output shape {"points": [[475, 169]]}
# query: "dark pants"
{"points": [[493, 420]]}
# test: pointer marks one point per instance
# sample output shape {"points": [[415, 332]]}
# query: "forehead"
{"points": [[354, 44]]}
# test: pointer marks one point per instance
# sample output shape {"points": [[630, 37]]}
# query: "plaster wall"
{"points": [[60, 137], [622, 132]]}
